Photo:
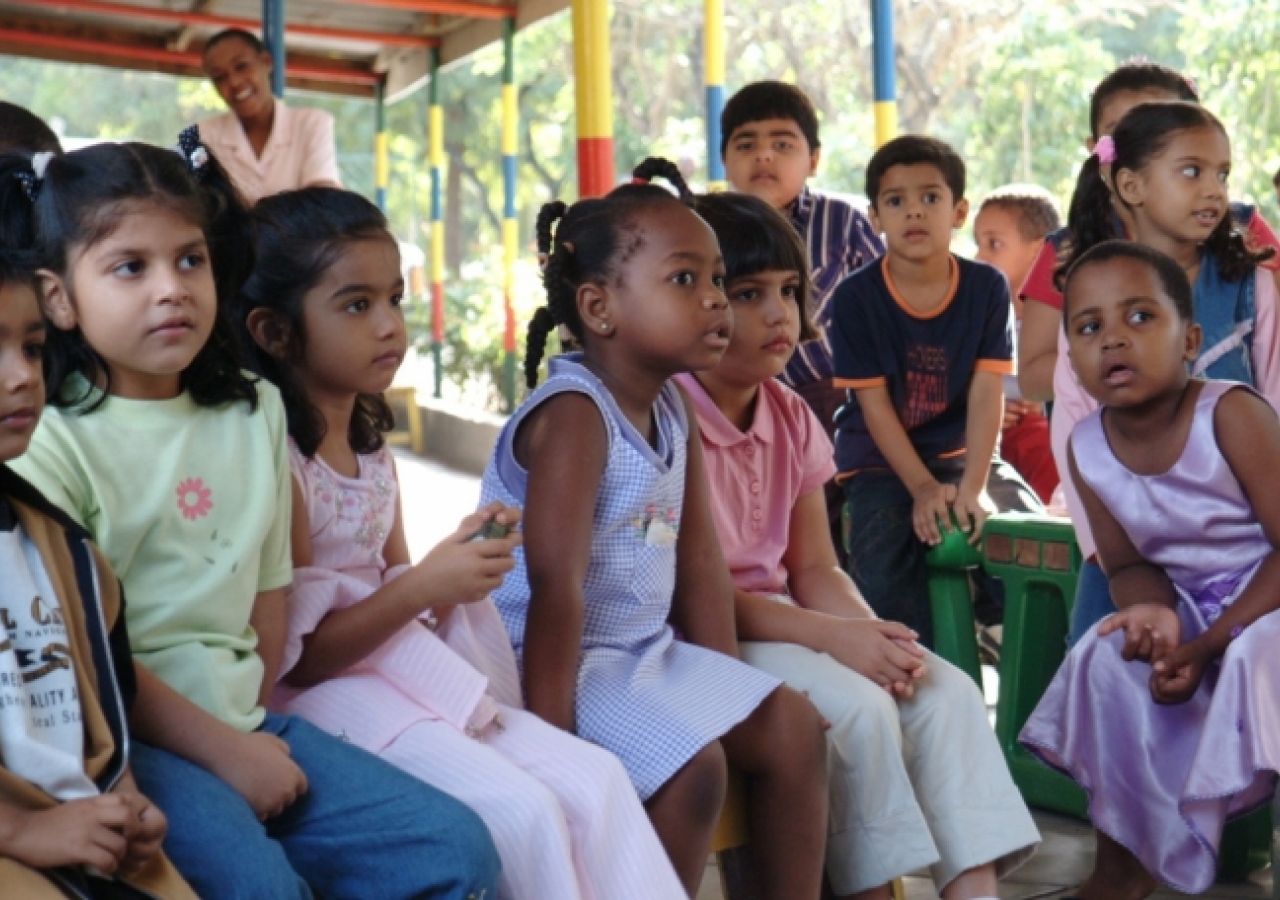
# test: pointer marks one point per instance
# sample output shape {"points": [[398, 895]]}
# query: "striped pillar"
{"points": [[510, 229], [593, 93], [713, 52], [381, 163], [883, 57], [435, 161], [273, 37]]}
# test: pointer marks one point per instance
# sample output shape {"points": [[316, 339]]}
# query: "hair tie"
{"points": [[1105, 150], [638, 180], [1191, 83], [32, 180], [192, 150]]}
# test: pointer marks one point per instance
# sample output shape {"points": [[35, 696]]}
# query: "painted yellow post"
{"points": [[435, 161], [593, 92], [713, 53]]}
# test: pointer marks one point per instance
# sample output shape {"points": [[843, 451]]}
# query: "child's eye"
{"points": [[191, 261], [782, 146], [791, 292], [34, 351], [1138, 316], [1087, 328], [745, 295], [743, 146], [128, 269], [1223, 176], [931, 198], [719, 281], [357, 306], [684, 279], [397, 299], [893, 201], [1191, 171]]}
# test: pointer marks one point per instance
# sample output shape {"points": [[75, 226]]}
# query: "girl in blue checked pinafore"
{"points": [[619, 545]]}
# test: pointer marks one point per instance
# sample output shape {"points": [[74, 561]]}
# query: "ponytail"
{"points": [[1091, 217]]}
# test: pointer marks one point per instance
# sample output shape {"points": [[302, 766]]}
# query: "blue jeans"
{"points": [[364, 830], [887, 560], [1092, 604]]}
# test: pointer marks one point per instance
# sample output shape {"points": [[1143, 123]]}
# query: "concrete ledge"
{"points": [[457, 435]]}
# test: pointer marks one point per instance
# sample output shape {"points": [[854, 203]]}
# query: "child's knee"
{"points": [[700, 785], [796, 730]]}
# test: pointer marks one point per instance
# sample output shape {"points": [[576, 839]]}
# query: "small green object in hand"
{"points": [[491, 531]]}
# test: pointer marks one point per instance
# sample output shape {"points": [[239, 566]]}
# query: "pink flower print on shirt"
{"points": [[194, 499]]}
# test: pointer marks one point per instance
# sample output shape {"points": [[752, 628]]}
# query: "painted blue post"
{"points": [[883, 54], [273, 37]]}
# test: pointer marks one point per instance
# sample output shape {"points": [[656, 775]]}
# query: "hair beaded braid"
{"points": [[590, 242]]}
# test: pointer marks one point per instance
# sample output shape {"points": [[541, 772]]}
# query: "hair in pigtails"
{"points": [[588, 245], [1090, 217]]}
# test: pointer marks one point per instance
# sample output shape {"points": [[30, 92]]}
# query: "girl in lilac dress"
{"points": [[412, 662], [1168, 713]]}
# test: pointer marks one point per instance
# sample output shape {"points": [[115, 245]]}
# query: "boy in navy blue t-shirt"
{"points": [[921, 339]]}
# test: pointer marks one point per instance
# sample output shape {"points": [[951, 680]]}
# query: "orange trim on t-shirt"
{"points": [[998, 366], [858, 384], [907, 307], [842, 477]]}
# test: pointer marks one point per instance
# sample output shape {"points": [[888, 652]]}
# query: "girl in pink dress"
{"points": [[412, 662], [1167, 713]]}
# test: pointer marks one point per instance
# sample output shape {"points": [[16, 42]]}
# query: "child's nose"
{"points": [[19, 373]]}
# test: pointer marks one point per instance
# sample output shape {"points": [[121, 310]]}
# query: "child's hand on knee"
{"points": [[885, 652], [264, 774], [1177, 672], [1148, 629], [145, 829], [931, 504], [87, 832]]}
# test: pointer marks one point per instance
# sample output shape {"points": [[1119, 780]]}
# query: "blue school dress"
{"points": [[650, 699]]}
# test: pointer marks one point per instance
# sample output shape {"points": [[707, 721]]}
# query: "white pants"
{"points": [[562, 812], [914, 783]]}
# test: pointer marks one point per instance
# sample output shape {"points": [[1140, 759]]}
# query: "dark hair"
{"points": [[238, 34], [1171, 276], [22, 131], [1143, 134], [754, 237], [1275, 179], [297, 236], [1137, 76], [1033, 208], [762, 100], [594, 237], [18, 267], [913, 150], [82, 199]]}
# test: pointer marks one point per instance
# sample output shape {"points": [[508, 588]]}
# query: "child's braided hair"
{"points": [[594, 237]]}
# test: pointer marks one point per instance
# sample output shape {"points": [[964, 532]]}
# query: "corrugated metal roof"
{"points": [[342, 46]]}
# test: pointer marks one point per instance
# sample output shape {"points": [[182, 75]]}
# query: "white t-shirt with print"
{"points": [[41, 730]]}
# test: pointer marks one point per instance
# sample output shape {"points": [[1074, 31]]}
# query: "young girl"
{"points": [[1167, 713], [801, 619], [1166, 165], [1123, 88], [607, 465], [323, 308], [175, 461]]}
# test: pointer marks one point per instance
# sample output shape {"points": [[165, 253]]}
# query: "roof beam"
{"points": [[139, 53], [107, 8], [466, 8]]}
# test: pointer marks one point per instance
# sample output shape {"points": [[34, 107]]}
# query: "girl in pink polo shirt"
{"points": [[917, 778]]}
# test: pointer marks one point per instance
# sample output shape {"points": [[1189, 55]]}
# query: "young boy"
{"points": [[770, 147], [921, 340], [1010, 228], [72, 822]]}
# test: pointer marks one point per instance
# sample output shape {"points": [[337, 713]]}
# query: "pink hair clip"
{"points": [[639, 180], [1105, 150]]}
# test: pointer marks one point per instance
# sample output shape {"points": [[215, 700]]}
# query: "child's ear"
{"points": [[55, 300], [815, 156], [593, 309], [962, 213], [1127, 185], [1194, 338], [270, 331], [874, 217]]}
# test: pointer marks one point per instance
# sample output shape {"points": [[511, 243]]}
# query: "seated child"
{"points": [[1167, 712], [770, 146], [619, 548], [441, 702], [921, 339], [176, 461], [800, 618], [1010, 229], [72, 822]]}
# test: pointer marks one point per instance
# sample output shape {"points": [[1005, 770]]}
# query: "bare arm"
{"points": [[814, 575], [270, 621], [564, 447], [1038, 349], [703, 606]]}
